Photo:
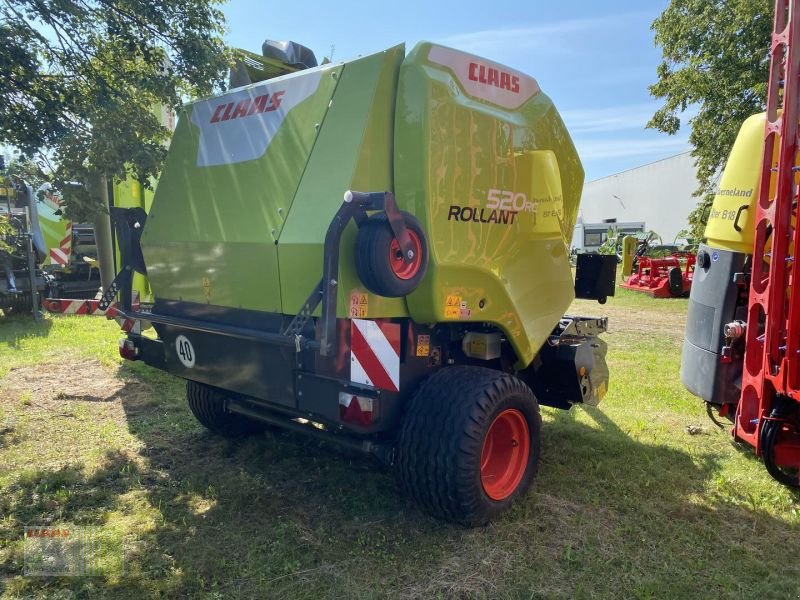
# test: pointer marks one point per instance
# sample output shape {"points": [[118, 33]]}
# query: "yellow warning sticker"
{"points": [[452, 307], [423, 345], [359, 305]]}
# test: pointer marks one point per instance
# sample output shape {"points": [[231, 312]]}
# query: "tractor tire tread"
{"points": [[441, 439], [208, 406]]}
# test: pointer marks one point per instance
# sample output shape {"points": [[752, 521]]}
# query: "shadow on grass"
{"points": [[281, 515], [14, 328], [607, 456], [61, 497], [7, 436]]}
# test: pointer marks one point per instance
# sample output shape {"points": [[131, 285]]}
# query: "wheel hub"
{"points": [[401, 268], [505, 453]]}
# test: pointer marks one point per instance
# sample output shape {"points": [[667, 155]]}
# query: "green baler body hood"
{"points": [[473, 149]]}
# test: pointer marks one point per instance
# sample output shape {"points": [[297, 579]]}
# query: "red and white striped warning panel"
{"points": [[375, 354], [60, 255], [65, 306]]}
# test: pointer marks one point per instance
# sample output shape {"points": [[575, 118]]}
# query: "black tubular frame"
{"points": [[129, 224]]}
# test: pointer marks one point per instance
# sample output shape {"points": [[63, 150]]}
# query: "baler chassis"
{"points": [[297, 367]]}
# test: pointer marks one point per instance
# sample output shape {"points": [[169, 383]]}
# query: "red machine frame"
{"points": [[652, 274], [767, 413]]}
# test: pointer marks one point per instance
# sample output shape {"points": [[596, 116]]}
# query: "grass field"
{"points": [[640, 498]]}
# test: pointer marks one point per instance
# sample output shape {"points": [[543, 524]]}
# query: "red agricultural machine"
{"points": [[663, 277], [741, 351]]}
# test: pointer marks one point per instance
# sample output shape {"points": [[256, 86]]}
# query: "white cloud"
{"points": [[621, 148], [602, 120], [541, 36], [615, 118]]}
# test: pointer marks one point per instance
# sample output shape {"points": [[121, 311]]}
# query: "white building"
{"points": [[657, 196]]}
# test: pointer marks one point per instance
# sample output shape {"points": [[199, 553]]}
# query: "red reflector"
{"points": [[355, 409], [127, 349]]}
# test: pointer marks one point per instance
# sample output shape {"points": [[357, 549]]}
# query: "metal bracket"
{"points": [[299, 322], [355, 206], [129, 224], [572, 328], [398, 225], [123, 281]]}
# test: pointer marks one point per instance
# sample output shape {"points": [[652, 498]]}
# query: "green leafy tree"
{"points": [[28, 170], [715, 59], [82, 79]]}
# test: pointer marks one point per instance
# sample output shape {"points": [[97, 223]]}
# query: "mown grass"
{"points": [[642, 497]]}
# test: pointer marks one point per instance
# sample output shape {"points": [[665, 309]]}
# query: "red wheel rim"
{"points": [[505, 452], [401, 268]]}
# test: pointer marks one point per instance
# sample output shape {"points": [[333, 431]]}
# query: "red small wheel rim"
{"points": [[401, 268], [505, 452]]}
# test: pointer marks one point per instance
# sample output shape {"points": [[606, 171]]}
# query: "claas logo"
{"points": [[247, 107], [496, 77]]}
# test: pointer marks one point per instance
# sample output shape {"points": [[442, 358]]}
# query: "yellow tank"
{"points": [[730, 222]]}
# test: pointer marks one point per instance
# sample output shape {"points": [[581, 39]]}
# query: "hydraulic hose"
{"points": [[770, 431], [710, 408]]}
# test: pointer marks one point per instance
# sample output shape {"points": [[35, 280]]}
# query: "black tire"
{"points": [[675, 281], [442, 437], [208, 406], [372, 250]]}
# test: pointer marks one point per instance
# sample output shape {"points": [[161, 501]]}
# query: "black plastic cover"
{"points": [[290, 53], [595, 276]]}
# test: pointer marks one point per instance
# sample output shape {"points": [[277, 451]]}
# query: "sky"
{"points": [[594, 59]]}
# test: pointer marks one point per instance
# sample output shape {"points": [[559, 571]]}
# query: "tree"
{"points": [[715, 58], [28, 170], [81, 82]]}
